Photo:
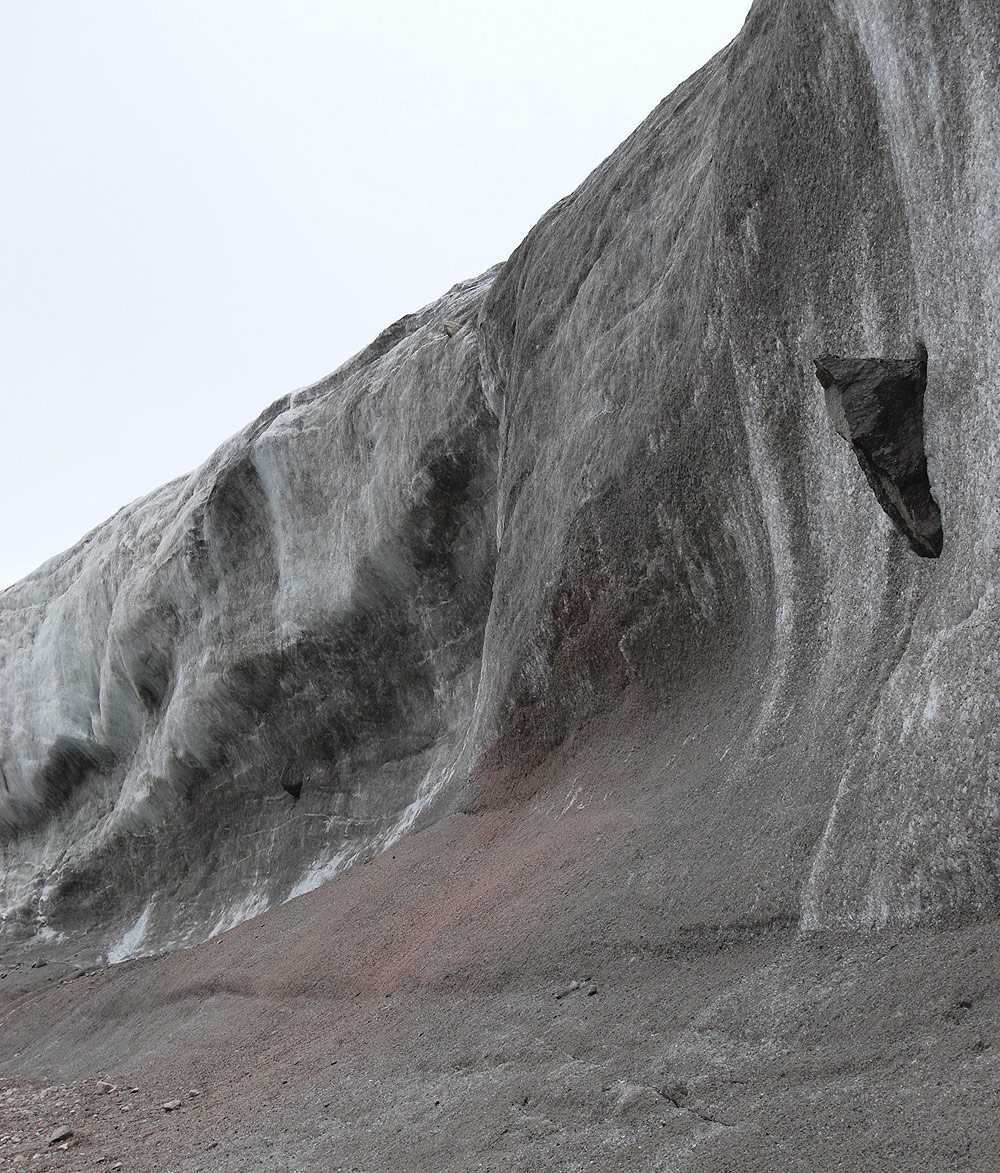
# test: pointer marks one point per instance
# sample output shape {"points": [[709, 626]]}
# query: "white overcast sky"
{"points": [[207, 203]]}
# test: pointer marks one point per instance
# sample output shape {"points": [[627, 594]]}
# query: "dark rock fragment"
{"points": [[60, 1134], [877, 405], [291, 784]]}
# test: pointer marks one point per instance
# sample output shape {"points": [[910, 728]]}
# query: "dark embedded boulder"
{"points": [[877, 405], [291, 785]]}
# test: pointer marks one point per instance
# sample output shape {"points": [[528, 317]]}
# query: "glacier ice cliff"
{"points": [[597, 483]]}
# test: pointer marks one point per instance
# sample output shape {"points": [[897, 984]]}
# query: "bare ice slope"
{"points": [[286, 619], [601, 479]]}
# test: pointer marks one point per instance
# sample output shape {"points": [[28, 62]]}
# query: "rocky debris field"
{"points": [[484, 1031]]}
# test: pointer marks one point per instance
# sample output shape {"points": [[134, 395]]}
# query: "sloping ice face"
{"points": [[304, 612], [601, 478]]}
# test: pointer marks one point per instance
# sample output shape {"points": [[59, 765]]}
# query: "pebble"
{"points": [[64, 1132], [588, 987], [171, 1105], [104, 1088]]}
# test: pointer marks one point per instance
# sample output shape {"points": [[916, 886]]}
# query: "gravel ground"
{"points": [[510, 1016]]}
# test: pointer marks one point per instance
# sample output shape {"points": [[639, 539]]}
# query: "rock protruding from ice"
{"points": [[877, 405]]}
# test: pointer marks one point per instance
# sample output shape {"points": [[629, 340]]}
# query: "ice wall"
{"points": [[600, 477]]}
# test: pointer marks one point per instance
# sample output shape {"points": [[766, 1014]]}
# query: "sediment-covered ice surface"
{"points": [[599, 478], [303, 614]]}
